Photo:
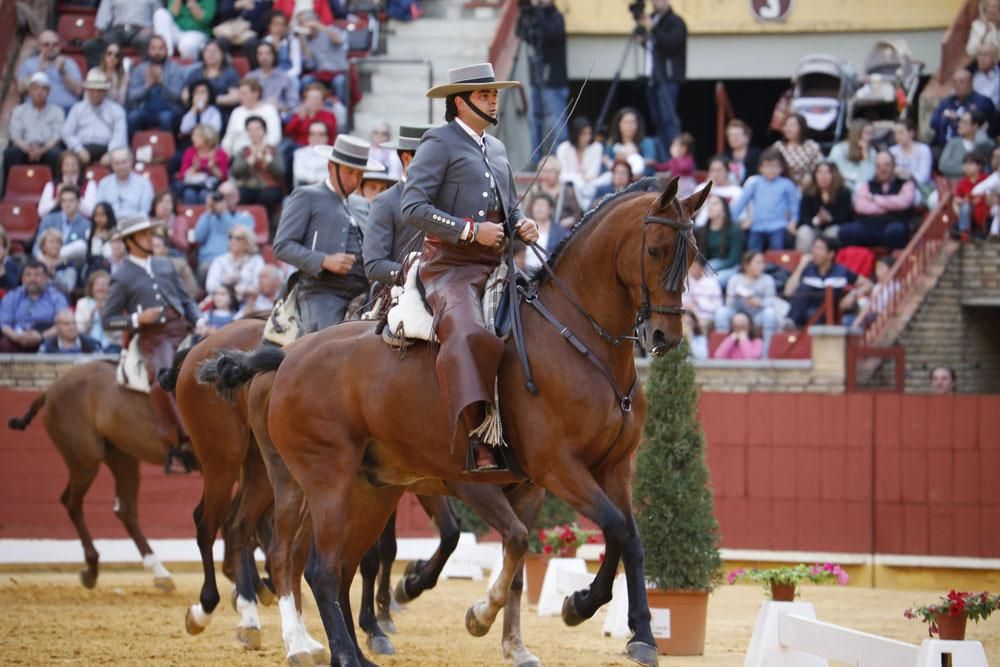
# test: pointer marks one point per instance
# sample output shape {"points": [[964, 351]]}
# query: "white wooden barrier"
{"points": [[562, 577], [787, 634]]}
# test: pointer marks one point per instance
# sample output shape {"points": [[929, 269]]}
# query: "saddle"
{"points": [[409, 318]]}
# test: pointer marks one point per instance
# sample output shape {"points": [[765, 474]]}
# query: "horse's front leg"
{"points": [[423, 575]]}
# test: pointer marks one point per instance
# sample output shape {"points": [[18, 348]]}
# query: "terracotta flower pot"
{"points": [[782, 592], [534, 572], [688, 616], [950, 627]]}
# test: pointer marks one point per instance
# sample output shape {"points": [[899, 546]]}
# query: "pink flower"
{"points": [[842, 577], [734, 575]]}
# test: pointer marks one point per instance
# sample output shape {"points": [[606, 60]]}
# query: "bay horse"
{"points": [[92, 420], [621, 271]]}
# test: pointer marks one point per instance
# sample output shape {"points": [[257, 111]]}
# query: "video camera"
{"points": [[637, 8]]}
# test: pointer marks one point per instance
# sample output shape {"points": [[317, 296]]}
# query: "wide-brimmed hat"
{"points": [[409, 138], [350, 152], [96, 80], [40, 78], [470, 79], [133, 225], [378, 176]]}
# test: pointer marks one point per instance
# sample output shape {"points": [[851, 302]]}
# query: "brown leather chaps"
{"points": [[158, 344]]}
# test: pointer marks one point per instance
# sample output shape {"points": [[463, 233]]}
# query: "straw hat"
{"points": [[96, 80], [470, 79]]}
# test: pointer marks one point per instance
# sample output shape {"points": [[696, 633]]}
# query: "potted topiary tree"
{"points": [[673, 504]]}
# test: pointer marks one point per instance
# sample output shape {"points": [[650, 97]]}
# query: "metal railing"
{"points": [[953, 53], [723, 114], [385, 60]]}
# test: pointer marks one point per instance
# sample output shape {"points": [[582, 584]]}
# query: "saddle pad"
{"points": [[131, 372], [285, 323]]}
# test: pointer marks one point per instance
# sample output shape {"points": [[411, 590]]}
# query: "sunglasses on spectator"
{"points": [[114, 53]]}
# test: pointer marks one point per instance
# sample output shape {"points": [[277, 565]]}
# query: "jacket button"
{"points": [[486, 194], [487, 174], [482, 213]]}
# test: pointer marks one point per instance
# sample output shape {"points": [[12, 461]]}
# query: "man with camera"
{"points": [[541, 26], [666, 62]]}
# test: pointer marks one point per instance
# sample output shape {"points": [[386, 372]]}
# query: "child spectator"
{"points": [[702, 295], [825, 206], [66, 339], [681, 163], [742, 343], [855, 156], [775, 202], [723, 185], [223, 308], [203, 166], [202, 112], [882, 293], [799, 152], [697, 340], [753, 293], [720, 239], [972, 209], [101, 234], [944, 381]]}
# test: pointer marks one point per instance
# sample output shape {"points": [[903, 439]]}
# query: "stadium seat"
{"points": [[20, 220], [74, 30], [790, 345], [64, 8], [786, 259], [241, 65], [153, 146], [25, 183], [261, 227], [96, 172], [714, 341], [156, 174], [81, 63], [191, 213]]}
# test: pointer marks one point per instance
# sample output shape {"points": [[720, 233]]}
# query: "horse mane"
{"points": [[642, 186]]}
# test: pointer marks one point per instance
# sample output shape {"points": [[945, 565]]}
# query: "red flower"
{"points": [[547, 549], [601, 558]]}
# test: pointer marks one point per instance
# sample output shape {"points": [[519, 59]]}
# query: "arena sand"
{"points": [[48, 618]]}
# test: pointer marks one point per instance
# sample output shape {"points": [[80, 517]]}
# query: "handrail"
{"points": [[723, 114], [923, 250], [504, 44], [953, 53], [385, 60]]}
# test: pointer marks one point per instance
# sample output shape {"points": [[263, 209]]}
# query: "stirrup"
{"points": [[499, 464], [177, 454]]}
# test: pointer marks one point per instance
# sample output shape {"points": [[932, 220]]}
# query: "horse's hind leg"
{"points": [[377, 641], [386, 557], [81, 476], [527, 502], [425, 575], [125, 470]]}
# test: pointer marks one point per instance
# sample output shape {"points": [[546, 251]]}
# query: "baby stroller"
{"points": [[889, 88], [822, 87]]}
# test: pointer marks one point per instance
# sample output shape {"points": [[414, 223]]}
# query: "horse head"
{"points": [[654, 265]]}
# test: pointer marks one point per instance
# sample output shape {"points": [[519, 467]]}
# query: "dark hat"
{"points": [[470, 79], [350, 152], [409, 138]]}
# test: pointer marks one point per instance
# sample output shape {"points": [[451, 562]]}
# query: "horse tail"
{"points": [[229, 370], [167, 377], [16, 424]]}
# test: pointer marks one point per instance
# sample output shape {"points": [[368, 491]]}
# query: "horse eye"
{"points": [[653, 252]]}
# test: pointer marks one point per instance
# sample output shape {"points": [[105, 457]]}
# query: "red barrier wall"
{"points": [[900, 474]]}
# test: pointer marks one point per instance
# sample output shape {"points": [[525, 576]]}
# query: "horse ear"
{"points": [[694, 202], [668, 195]]}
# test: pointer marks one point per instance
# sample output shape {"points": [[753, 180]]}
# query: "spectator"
{"points": [[944, 121], [550, 234], [242, 22], [73, 228], [681, 163], [799, 152], [261, 298], [95, 125], [743, 158], [154, 90], [128, 193], [64, 274], [259, 169], [113, 65], [203, 111], [944, 381], [986, 73], [278, 87], [971, 137], [567, 210], [629, 142], [118, 253], [68, 172], [163, 214], [702, 294], [378, 138], [66, 339], [322, 9], [621, 176], [212, 231], [972, 210], [373, 183], [742, 343], [775, 202], [825, 206], [161, 248], [287, 48], [250, 105], [297, 128], [99, 244], [752, 293], [883, 206], [28, 312], [10, 270], [123, 22], [308, 166], [220, 75], [724, 184], [239, 267], [666, 49], [223, 308], [697, 340], [63, 75], [806, 287], [543, 29], [990, 188], [855, 156], [89, 310], [324, 50], [985, 29], [34, 129], [720, 239], [913, 159], [580, 158], [203, 166], [882, 293], [186, 24]]}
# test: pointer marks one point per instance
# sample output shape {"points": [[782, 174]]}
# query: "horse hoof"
{"points": [[642, 654], [472, 624], [165, 584], [380, 645], [249, 637], [530, 662], [388, 625], [321, 656], [414, 566], [569, 614], [265, 595], [399, 594], [191, 625], [301, 660], [87, 579]]}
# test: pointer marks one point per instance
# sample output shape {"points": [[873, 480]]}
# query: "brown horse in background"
{"points": [[622, 270], [92, 420]]}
